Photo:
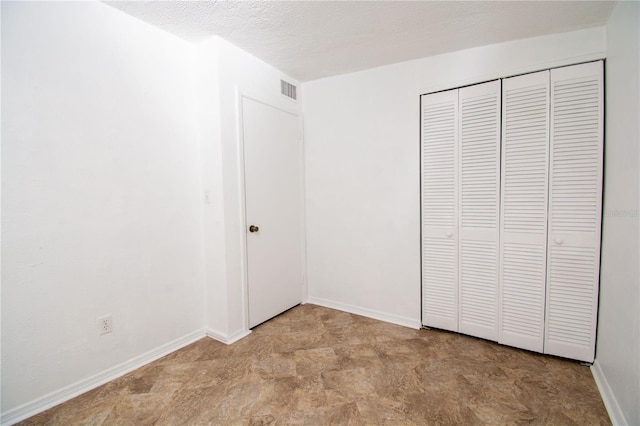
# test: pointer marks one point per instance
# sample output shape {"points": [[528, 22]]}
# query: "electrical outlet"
{"points": [[105, 324]]}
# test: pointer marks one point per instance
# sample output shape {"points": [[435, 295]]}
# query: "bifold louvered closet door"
{"points": [[575, 210], [440, 209], [511, 209], [479, 208], [523, 239], [460, 203]]}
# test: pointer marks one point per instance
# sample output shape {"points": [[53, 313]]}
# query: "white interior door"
{"points": [[439, 151], [479, 177], [274, 207], [575, 206]]}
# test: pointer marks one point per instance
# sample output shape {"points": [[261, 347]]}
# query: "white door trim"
{"points": [[244, 265]]}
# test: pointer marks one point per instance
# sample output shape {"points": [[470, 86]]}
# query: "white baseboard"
{"points": [[227, 338], [71, 391], [369, 313], [609, 399]]}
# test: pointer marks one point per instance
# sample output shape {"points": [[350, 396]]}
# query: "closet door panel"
{"points": [[523, 236], [479, 177], [575, 206], [439, 144]]}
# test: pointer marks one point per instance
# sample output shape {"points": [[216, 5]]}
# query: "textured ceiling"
{"points": [[315, 39]]}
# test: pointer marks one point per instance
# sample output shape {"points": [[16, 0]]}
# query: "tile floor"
{"points": [[317, 366]]}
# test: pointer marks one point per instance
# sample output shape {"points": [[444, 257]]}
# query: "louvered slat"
{"points": [[439, 281], [478, 293], [575, 203], [525, 147], [523, 278], [570, 302], [439, 135], [479, 154], [526, 150]]}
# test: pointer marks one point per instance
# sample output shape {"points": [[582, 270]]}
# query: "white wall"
{"points": [[237, 72], [618, 347], [213, 207], [363, 171], [101, 207]]}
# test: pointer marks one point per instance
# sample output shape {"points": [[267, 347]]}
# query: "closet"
{"points": [[511, 209]]}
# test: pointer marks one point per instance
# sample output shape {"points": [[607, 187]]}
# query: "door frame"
{"points": [[241, 94]]}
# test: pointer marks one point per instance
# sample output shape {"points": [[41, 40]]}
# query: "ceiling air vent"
{"points": [[288, 89]]}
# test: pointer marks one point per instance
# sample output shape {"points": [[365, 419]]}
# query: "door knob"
{"points": [[559, 241], [449, 234], [253, 228]]}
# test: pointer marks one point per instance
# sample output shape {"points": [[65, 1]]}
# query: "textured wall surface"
{"points": [[101, 194], [618, 347]]}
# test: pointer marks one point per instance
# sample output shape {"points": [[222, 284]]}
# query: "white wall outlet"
{"points": [[105, 324]]}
